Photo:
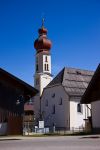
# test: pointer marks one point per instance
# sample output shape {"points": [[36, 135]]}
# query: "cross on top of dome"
{"points": [[42, 43]]}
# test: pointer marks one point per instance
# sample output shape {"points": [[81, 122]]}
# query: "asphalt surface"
{"points": [[51, 143]]}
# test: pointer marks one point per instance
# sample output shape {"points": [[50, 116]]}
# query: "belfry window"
{"points": [[47, 67], [46, 59]]}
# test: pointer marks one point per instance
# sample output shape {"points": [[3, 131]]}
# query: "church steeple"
{"points": [[43, 59]]}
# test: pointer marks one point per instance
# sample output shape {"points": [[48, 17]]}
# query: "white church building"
{"points": [[61, 99], [58, 102]]}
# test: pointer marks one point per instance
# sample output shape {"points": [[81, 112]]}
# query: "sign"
{"points": [[41, 124]]}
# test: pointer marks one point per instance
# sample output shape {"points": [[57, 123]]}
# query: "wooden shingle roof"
{"points": [[75, 81]]}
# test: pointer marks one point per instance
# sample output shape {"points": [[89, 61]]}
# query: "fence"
{"points": [[28, 128]]}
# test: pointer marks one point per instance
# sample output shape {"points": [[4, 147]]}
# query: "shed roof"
{"points": [[92, 92], [75, 81]]}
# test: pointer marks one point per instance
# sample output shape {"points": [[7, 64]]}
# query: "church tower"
{"points": [[43, 60]]}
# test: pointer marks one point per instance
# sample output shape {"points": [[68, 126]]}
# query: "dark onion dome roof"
{"points": [[42, 43]]}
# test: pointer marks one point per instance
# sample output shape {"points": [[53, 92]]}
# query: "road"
{"points": [[51, 143]]}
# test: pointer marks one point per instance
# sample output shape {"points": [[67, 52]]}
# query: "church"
{"points": [[58, 101]]}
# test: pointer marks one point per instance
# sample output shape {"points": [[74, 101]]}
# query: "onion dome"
{"points": [[42, 43]]}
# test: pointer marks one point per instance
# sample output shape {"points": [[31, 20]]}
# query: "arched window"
{"points": [[46, 60], [47, 67]]}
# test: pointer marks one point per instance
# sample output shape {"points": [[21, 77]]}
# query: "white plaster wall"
{"points": [[61, 116], [44, 81], [96, 114], [77, 118]]}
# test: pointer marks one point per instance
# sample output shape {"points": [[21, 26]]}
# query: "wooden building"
{"points": [[92, 95], [13, 94]]}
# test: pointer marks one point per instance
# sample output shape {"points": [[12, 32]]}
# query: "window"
{"points": [[60, 101], [79, 108], [53, 95], [37, 67], [47, 67], [53, 109], [46, 59], [46, 103]]}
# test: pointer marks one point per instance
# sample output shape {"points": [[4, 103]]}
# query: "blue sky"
{"points": [[73, 27]]}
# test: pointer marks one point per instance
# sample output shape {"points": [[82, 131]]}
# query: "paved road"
{"points": [[51, 143]]}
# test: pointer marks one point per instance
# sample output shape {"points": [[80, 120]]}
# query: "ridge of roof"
{"points": [[76, 68]]}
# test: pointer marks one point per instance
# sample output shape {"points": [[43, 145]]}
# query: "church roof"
{"points": [[74, 81]]}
